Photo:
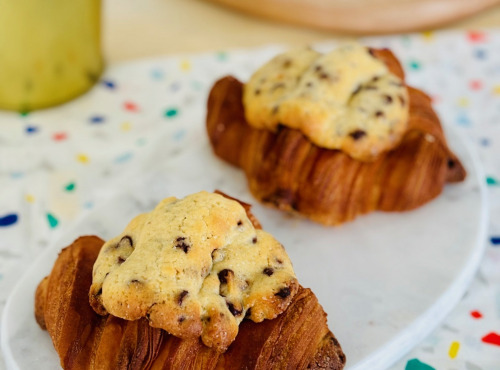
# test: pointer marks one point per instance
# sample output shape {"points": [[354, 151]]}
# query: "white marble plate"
{"points": [[385, 280]]}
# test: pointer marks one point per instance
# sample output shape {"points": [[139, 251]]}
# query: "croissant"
{"points": [[286, 170], [299, 338]]}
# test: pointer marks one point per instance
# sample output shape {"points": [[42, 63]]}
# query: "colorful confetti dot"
{"points": [[416, 364], [24, 113], [484, 141], [415, 65], [476, 314], [157, 74], [496, 90], [480, 54], [109, 84], [185, 65], [196, 85], [17, 175], [82, 158], [463, 120], [495, 240], [126, 126], [428, 35], [454, 347], [59, 136], [491, 338], [29, 198], [53, 221], [31, 129], [70, 187], [475, 85], [476, 36], [130, 106], [97, 119], [406, 40], [463, 102], [8, 220], [491, 181], [124, 157], [221, 56], [171, 112]]}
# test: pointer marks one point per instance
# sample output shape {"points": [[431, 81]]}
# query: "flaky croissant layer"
{"points": [[297, 339], [285, 170]]}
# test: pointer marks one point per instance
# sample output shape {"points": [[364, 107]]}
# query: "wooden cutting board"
{"points": [[363, 16]]}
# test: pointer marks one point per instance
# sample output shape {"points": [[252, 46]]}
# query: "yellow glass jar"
{"points": [[50, 51]]}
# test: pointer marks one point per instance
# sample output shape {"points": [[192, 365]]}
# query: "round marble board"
{"points": [[385, 280]]}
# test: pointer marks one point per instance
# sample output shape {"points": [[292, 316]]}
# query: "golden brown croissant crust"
{"points": [[298, 338], [286, 170]]}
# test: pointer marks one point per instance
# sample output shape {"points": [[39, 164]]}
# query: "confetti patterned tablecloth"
{"points": [[55, 163]]}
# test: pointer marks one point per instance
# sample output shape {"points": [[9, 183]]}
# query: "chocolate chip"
{"points": [[309, 84], [279, 261], [275, 109], [371, 52], [375, 79], [257, 92], [283, 292], [324, 76], [121, 260], [254, 240], [379, 113], [224, 275], [181, 319], [387, 99], [401, 100], [318, 68], [232, 309], [248, 313], [240, 222], [135, 281], [358, 134], [451, 163], [126, 238], [182, 244], [183, 295], [287, 63], [268, 271]]}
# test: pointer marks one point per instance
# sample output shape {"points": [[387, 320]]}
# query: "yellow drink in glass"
{"points": [[50, 51]]}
